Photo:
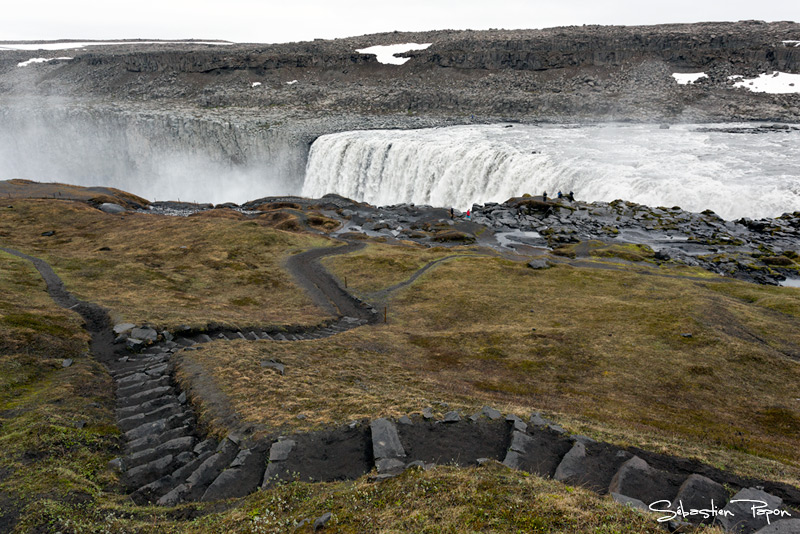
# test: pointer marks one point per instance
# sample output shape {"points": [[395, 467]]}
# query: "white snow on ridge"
{"points": [[773, 83], [796, 44], [41, 60], [78, 45], [386, 54], [687, 78], [255, 84]]}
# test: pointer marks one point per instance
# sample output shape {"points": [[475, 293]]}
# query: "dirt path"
{"points": [[322, 287], [97, 320]]}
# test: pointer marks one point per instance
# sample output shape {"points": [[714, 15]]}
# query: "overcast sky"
{"points": [[268, 21]]}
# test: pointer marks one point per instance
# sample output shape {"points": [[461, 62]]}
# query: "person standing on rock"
{"points": [[544, 196], [468, 214], [452, 214], [571, 197]]}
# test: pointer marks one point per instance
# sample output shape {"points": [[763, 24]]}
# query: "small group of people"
{"points": [[570, 196], [453, 214]]}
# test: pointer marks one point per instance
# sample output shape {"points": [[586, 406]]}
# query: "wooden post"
{"points": [[384, 314], [345, 282]]}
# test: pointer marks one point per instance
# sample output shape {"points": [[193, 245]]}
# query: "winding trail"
{"points": [[167, 460], [322, 287]]}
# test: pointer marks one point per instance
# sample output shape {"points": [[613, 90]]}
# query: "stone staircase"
{"points": [[167, 462]]}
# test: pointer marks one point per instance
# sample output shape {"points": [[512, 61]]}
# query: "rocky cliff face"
{"points": [[748, 45]]}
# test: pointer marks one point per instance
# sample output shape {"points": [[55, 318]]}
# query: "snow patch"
{"points": [[41, 60], [773, 83], [386, 53], [255, 84], [78, 45], [292, 82], [687, 78], [796, 44]]}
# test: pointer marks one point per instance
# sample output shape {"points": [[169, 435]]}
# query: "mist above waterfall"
{"points": [[696, 168], [159, 156]]}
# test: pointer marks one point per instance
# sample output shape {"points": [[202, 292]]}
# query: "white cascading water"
{"points": [[734, 174]]}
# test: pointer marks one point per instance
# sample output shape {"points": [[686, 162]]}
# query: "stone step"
{"points": [[124, 372], [210, 469], [163, 491], [637, 479], [131, 364], [145, 474], [143, 386], [174, 446], [154, 440], [242, 477], [591, 465], [157, 427], [131, 422], [146, 407], [144, 396], [539, 452]]}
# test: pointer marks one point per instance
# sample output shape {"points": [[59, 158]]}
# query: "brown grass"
{"points": [[166, 270], [25, 189], [386, 265], [597, 345], [45, 456]]}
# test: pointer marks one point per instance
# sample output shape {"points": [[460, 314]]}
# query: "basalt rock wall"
{"points": [[748, 45]]}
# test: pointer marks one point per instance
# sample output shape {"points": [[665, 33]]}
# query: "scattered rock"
{"points": [[491, 413], [109, 207], [539, 263], [272, 364], [573, 465], [385, 440], [123, 328], [117, 465], [145, 334], [452, 417], [538, 421], [280, 450], [783, 526], [49, 233], [66, 363], [519, 424], [699, 493], [630, 501], [320, 522], [742, 509]]}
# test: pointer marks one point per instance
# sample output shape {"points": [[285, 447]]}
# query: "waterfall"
{"points": [[733, 174]]}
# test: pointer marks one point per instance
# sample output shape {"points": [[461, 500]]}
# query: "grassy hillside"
{"points": [[166, 271], [671, 360]]}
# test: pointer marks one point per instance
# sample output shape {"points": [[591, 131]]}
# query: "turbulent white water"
{"points": [[734, 174]]}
